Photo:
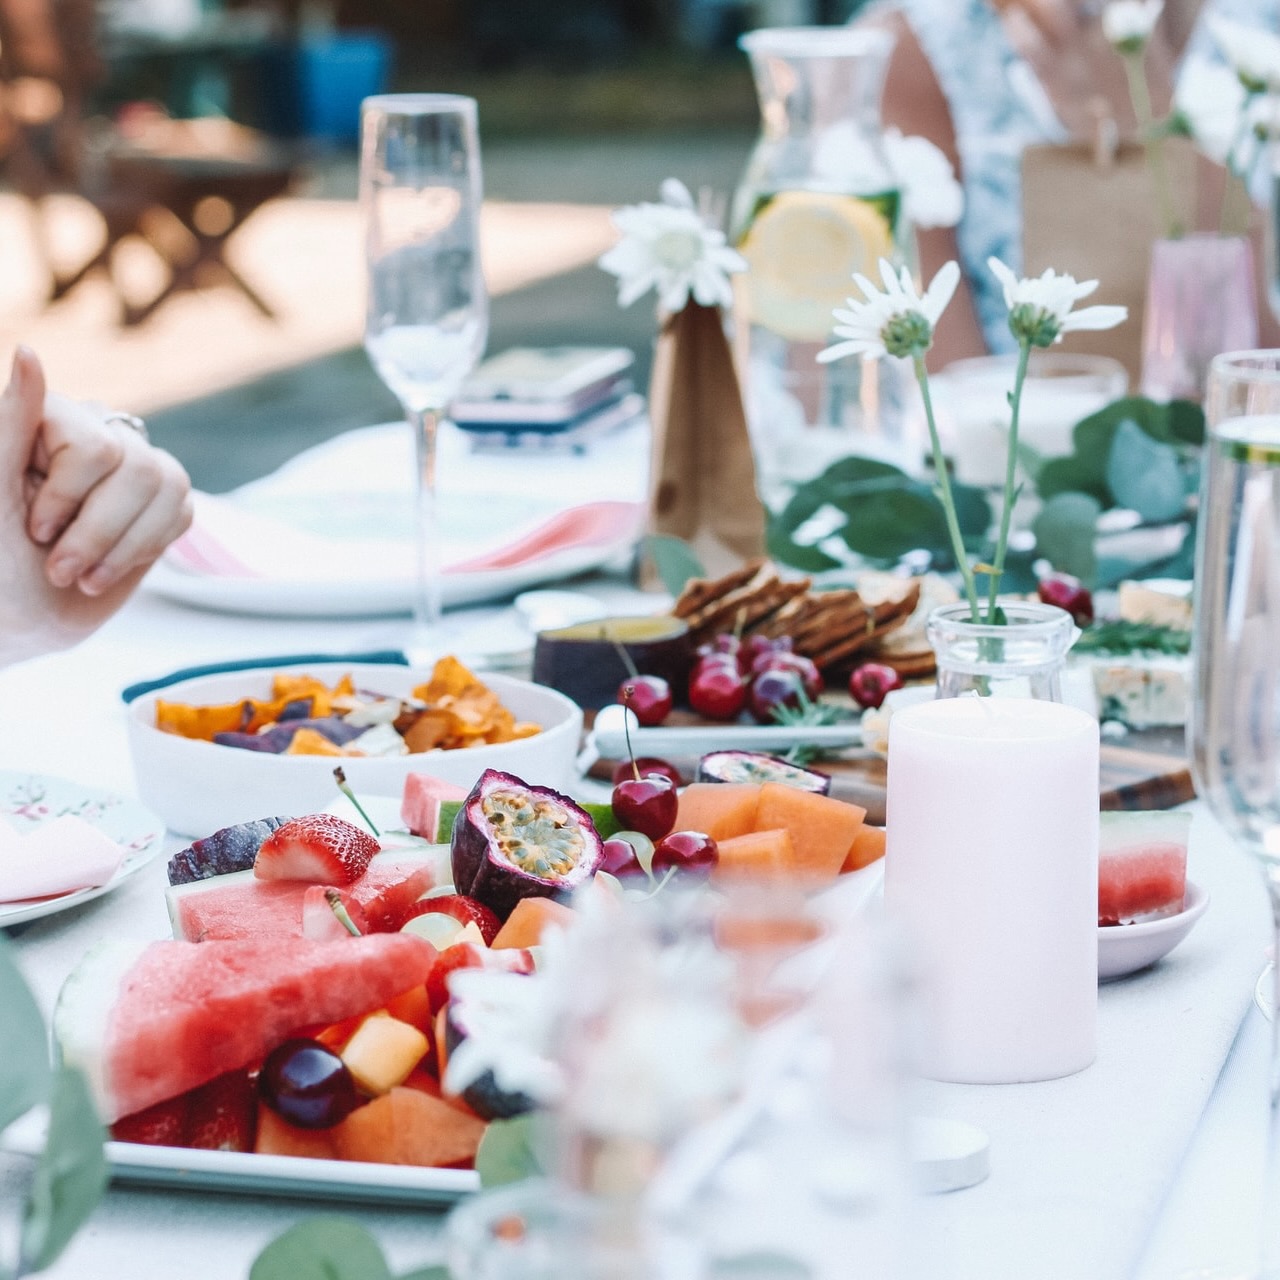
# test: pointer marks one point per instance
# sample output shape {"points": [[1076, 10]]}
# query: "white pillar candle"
{"points": [[992, 867]]}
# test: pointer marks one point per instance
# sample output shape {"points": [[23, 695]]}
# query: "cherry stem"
{"points": [[334, 899], [633, 672], [626, 730], [345, 787]]}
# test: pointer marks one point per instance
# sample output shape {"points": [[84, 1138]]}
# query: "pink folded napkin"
{"points": [[229, 540], [57, 857]]}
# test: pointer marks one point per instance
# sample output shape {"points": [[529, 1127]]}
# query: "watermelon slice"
{"points": [[1142, 866], [149, 1021], [423, 796], [239, 905]]}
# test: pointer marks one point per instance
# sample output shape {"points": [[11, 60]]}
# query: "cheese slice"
{"points": [[1162, 602]]}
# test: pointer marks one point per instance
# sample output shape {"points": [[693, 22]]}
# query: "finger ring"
{"points": [[130, 420]]}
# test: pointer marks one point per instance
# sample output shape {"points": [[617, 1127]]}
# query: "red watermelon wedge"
{"points": [[148, 1021]]}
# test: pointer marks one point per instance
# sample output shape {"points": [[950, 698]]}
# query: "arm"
{"points": [[86, 507]]}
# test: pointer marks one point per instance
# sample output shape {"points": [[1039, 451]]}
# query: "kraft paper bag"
{"points": [[1091, 211], [703, 485]]}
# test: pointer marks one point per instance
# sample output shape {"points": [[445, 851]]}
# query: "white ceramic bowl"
{"points": [[1126, 948], [197, 787]]}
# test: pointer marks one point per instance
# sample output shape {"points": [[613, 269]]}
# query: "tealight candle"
{"points": [[992, 867]]}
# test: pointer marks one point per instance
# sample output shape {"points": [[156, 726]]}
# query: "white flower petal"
{"points": [[931, 196], [858, 347], [674, 192], [1095, 318], [941, 290], [1128, 24], [1008, 281]]}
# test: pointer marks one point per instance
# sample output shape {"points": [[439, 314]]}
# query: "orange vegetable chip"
{"points": [[307, 742]]}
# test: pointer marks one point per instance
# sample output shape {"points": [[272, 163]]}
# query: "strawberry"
{"points": [[462, 908], [319, 848], [322, 908], [163, 1125], [469, 955], [223, 1113]]}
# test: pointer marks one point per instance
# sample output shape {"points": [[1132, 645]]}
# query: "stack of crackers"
{"points": [[834, 628]]}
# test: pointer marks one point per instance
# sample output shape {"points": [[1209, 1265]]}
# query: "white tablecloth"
{"points": [[63, 716]]}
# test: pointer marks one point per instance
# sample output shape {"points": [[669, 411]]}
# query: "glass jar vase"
{"points": [[816, 203], [1023, 657]]}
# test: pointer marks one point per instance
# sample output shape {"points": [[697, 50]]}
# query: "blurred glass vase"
{"points": [[1200, 303], [817, 202]]}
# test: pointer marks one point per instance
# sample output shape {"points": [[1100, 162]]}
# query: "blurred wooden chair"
{"points": [[183, 187]]}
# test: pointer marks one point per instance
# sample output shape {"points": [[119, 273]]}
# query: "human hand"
{"points": [[85, 508]]}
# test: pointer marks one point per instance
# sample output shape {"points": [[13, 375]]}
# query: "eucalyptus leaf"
{"points": [[1065, 529], [508, 1152], [329, 1248], [70, 1176], [782, 547], [1075, 473], [24, 1063], [440, 1272], [675, 560], [1145, 475], [889, 523]]}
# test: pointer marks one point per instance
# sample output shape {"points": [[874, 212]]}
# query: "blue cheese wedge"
{"points": [[1143, 691]]}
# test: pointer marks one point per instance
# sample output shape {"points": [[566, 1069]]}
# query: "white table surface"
{"points": [[63, 716]]}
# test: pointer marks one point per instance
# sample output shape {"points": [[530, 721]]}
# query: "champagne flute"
{"points": [[1234, 731], [428, 314]]}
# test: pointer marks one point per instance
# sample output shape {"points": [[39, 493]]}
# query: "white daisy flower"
{"points": [[1253, 52], [931, 196], [895, 320], [670, 248], [1209, 99], [1127, 25], [1040, 309]]}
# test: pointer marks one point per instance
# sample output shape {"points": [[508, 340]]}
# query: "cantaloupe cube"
{"points": [[821, 829], [412, 1006], [524, 926], [408, 1126], [759, 855], [867, 847], [277, 1137], [722, 810], [382, 1052]]}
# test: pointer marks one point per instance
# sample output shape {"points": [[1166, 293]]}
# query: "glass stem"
{"points": [[1010, 481], [1269, 1222], [427, 606]]}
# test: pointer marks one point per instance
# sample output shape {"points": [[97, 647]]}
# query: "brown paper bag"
{"points": [[703, 479], [1092, 212]]}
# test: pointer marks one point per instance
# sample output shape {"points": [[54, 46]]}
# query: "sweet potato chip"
{"points": [[307, 742]]}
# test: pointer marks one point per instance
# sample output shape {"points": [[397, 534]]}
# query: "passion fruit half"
{"points": [[512, 841], [754, 766]]}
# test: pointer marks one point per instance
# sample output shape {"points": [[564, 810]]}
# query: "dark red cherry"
{"points": [[647, 764], [688, 851], [646, 804], [1067, 593], [786, 660], [648, 696], [717, 692], [307, 1084], [872, 682], [772, 689], [620, 858]]}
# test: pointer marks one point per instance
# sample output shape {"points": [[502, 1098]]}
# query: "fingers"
{"points": [[75, 452], [125, 523], [21, 410]]}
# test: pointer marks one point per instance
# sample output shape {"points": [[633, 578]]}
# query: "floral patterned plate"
{"points": [[29, 799]]}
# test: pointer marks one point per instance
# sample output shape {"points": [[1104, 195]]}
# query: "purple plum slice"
{"points": [[754, 766], [230, 849], [512, 841], [276, 740]]}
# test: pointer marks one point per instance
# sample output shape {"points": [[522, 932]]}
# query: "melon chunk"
{"points": [[423, 796], [759, 855], [722, 810], [1142, 865], [408, 1126], [821, 829], [277, 1137], [383, 1052], [150, 1021], [525, 925], [868, 846]]}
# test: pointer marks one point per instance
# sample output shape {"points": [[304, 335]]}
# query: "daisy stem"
{"points": [[944, 489], [1140, 95], [1010, 479], [1233, 219]]}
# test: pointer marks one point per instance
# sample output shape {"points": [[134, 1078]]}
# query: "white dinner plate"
{"points": [[247, 1174], [1262, 990], [28, 800]]}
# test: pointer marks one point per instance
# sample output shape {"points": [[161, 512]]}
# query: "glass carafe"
{"points": [[816, 203]]}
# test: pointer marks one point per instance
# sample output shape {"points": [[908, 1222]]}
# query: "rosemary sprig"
{"points": [[806, 712], [1120, 637]]}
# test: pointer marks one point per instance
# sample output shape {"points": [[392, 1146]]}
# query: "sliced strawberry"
{"points": [[469, 955], [319, 848], [463, 909], [322, 908], [163, 1125], [223, 1114]]}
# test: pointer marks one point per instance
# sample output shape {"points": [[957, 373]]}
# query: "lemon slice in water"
{"points": [[802, 247]]}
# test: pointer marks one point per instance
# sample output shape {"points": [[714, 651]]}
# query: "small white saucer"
{"points": [[1126, 948]]}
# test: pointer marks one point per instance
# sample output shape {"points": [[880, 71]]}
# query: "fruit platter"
{"points": [[295, 1032]]}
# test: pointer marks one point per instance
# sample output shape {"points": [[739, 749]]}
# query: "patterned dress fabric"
{"points": [[998, 108]]}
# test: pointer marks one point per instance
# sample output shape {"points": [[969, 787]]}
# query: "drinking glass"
{"points": [[428, 314], [1234, 731]]}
